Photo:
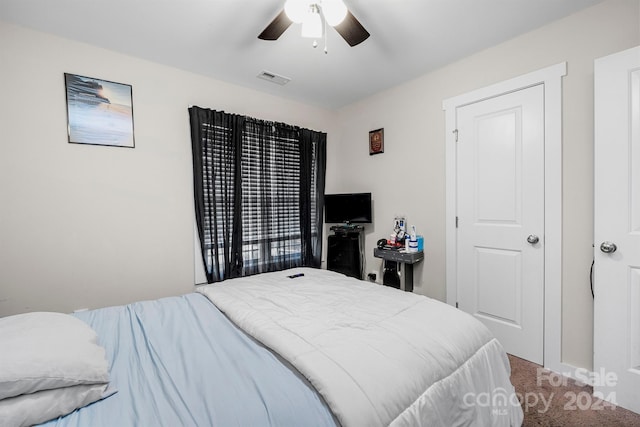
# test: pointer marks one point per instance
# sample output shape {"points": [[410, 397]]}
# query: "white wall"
{"points": [[90, 226], [409, 177]]}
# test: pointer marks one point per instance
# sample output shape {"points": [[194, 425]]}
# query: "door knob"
{"points": [[608, 247], [533, 239]]}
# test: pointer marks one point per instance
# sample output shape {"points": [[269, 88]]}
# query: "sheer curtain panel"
{"points": [[216, 139]]}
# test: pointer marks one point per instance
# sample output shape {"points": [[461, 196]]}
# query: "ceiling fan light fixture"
{"points": [[296, 10], [334, 11], [318, 15], [312, 23]]}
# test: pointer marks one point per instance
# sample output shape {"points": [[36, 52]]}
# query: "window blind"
{"points": [[270, 197]]}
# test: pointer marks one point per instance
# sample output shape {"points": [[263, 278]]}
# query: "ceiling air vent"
{"points": [[273, 78]]}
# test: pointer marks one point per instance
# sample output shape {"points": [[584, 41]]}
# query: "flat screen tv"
{"points": [[347, 208]]}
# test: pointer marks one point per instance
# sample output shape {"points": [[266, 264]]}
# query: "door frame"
{"points": [[551, 79]]}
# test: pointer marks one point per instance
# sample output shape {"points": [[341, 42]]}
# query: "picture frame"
{"points": [[99, 112], [376, 141]]}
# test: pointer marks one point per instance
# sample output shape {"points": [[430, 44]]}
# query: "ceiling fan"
{"points": [[311, 14]]}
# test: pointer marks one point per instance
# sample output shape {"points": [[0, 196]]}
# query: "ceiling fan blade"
{"points": [[352, 30], [275, 29]]}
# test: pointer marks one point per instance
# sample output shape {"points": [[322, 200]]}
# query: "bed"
{"points": [[298, 347]]}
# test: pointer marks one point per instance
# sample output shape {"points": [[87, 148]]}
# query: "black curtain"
{"points": [[216, 139], [313, 160], [259, 193]]}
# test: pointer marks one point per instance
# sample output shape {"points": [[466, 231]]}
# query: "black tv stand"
{"points": [[344, 251], [347, 228]]}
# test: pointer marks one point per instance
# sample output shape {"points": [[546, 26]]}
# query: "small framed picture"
{"points": [[376, 141], [99, 112]]}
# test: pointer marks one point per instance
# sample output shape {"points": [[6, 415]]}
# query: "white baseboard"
{"points": [[581, 375]]}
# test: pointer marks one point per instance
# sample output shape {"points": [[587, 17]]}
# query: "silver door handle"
{"points": [[533, 239], [608, 247]]}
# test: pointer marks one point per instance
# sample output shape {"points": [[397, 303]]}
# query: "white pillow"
{"points": [[45, 405], [42, 351]]}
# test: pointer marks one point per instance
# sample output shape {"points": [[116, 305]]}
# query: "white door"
{"points": [[500, 214], [617, 222]]}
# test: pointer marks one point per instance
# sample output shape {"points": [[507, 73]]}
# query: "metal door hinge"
{"points": [[455, 132], [456, 222], [456, 304]]}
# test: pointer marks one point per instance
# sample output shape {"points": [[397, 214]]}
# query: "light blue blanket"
{"points": [[180, 362]]}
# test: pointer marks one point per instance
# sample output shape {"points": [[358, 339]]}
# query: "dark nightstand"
{"points": [[405, 260]]}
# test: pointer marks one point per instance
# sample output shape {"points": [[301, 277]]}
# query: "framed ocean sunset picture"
{"points": [[99, 112]]}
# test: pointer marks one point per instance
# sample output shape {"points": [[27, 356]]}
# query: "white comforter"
{"points": [[378, 356]]}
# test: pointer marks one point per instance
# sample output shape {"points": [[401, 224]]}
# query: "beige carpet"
{"points": [[552, 400]]}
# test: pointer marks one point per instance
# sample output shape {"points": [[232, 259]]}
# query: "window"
{"points": [[258, 187]]}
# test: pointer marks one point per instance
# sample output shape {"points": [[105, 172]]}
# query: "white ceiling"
{"points": [[218, 38]]}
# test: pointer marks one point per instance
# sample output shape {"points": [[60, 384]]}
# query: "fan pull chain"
{"points": [[325, 35]]}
